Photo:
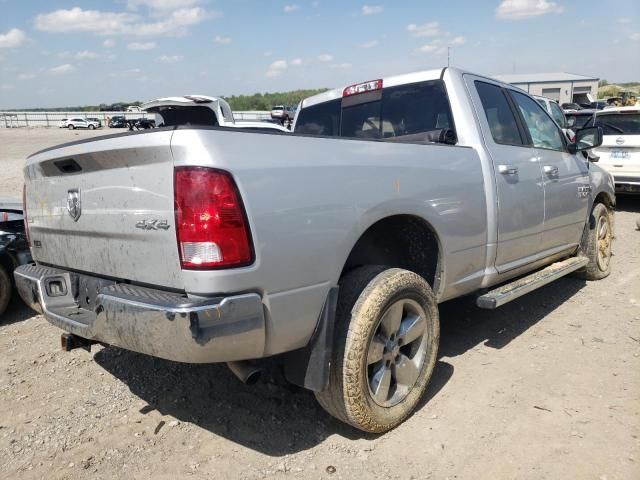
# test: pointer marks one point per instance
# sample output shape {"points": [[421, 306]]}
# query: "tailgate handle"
{"points": [[68, 166]]}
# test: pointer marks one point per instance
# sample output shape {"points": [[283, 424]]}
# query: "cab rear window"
{"points": [[413, 113]]}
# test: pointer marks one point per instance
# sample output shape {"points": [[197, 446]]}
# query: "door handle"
{"points": [[508, 169], [550, 170]]}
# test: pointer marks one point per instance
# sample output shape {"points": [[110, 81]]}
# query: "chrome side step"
{"points": [[504, 294]]}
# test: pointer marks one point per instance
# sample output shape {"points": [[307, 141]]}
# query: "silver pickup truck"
{"points": [[195, 244]]}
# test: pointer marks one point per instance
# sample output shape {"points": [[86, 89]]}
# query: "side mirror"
{"points": [[586, 138]]}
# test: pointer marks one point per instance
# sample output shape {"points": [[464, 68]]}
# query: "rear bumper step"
{"points": [[506, 293], [155, 322]]}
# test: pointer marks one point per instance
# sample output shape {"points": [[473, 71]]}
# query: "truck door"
{"points": [[565, 178], [518, 177]]}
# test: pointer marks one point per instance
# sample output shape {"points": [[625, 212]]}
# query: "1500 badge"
{"points": [[153, 224]]}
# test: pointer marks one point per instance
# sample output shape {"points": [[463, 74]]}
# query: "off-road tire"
{"points": [[591, 244], [365, 293], [6, 288]]}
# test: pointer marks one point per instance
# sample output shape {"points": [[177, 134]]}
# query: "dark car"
{"points": [[571, 106], [14, 247], [579, 119], [145, 123], [599, 104], [118, 121]]}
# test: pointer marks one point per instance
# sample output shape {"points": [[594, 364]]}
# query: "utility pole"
{"points": [[448, 55]]}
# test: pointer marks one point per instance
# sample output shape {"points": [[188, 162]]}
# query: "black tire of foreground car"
{"points": [[386, 342], [597, 244], [5, 290]]}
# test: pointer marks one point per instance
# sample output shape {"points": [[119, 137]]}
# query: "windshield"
{"points": [[416, 113], [577, 122], [619, 123]]}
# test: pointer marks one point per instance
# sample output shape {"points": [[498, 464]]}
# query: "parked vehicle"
{"points": [[330, 253], [571, 106], [14, 248], [191, 110], [281, 113], [620, 150], [598, 105], [579, 119], [118, 121], [96, 121], [553, 109], [145, 123], [134, 108], [77, 122], [63, 123]]}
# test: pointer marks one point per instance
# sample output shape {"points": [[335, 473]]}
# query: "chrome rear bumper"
{"points": [[158, 323]]}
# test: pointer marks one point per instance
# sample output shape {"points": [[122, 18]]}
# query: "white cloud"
{"points": [[86, 55], [521, 9], [173, 23], [429, 48], [340, 65], [62, 69], [325, 57], [459, 40], [161, 4], [109, 43], [6, 86], [624, 20], [290, 8], [277, 68], [371, 44], [12, 39], [26, 76], [296, 62], [170, 58], [371, 9], [222, 40], [635, 36], [138, 46], [431, 29]]}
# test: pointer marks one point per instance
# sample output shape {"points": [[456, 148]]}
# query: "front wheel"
{"points": [[91, 127], [387, 333], [597, 243]]}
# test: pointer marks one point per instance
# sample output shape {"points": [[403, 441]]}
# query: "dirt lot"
{"points": [[547, 387]]}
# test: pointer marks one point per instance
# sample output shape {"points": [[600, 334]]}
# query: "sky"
{"points": [[85, 52]]}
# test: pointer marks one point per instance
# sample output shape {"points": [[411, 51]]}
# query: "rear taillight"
{"points": [[211, 224], [24, 213]]}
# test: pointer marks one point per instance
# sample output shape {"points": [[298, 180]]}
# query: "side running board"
{"points": [[504, 294]]}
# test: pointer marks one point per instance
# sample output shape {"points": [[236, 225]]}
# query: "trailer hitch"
{"points": [[69, 341]]}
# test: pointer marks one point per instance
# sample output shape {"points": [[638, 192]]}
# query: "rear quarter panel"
{"points": [[308, 205]]}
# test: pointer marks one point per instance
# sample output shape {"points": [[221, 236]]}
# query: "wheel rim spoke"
{"points": [[405, 371], [411, 329], [376, 350], [380, 384], [390, 323]]}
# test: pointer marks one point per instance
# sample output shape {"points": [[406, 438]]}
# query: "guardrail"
{"points": [[52, 119]]}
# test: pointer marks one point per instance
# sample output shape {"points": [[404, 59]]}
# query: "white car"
{"points": [[280, 112], [620, 150], [191, 110], [63, 123], [77, 122], [554, 110]]}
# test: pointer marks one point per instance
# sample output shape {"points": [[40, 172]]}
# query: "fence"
{"points": [[52, 119]]}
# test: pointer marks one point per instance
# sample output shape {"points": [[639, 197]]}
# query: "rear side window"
{"points": [[320, 119], [502, 122], [619, 123]]}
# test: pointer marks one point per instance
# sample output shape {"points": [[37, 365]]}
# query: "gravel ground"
{"points": [[547, 387]]}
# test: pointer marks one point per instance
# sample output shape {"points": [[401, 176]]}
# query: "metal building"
{"points": [[561, 87]]}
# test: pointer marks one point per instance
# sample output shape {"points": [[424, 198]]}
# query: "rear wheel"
{"points": [[71, 126], [91, 126], [5, 290], [597, 244], [387, 333]]}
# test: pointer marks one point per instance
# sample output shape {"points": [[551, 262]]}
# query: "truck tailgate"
{"points": [[106, 207]]}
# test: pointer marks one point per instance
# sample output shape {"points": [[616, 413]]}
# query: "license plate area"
{"points": [[619, 155], [86, 290]]}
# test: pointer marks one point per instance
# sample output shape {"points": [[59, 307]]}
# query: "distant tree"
{"points": [[603, 83]]}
